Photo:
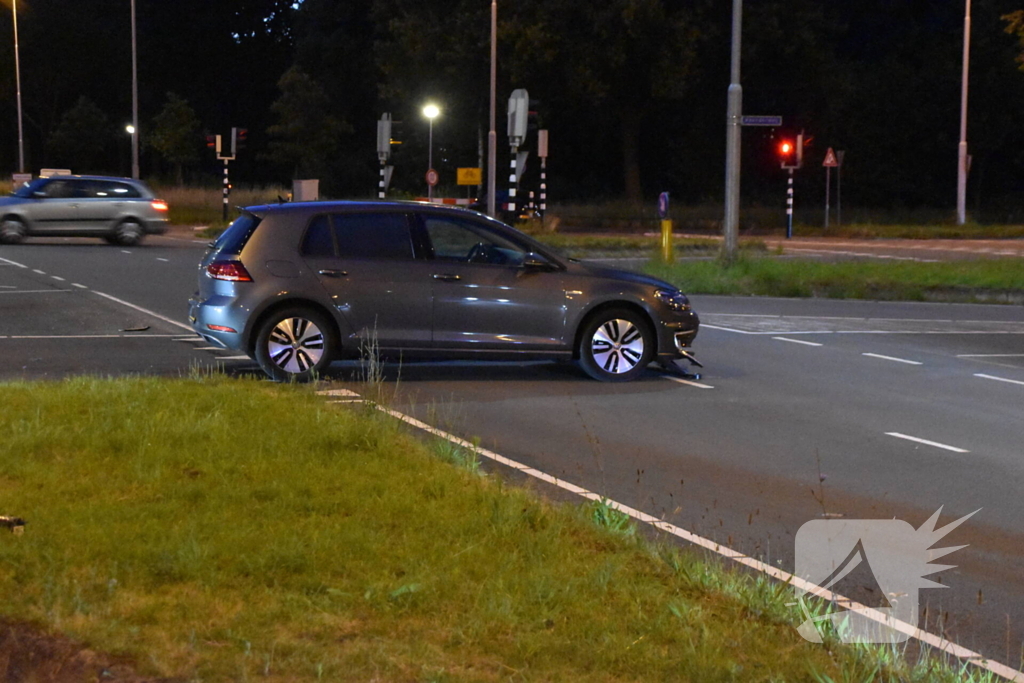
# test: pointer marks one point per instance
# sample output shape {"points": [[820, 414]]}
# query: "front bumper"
{"points": [[676, 336]]}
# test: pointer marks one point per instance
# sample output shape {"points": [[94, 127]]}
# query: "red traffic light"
{"points": [[786, 148]]}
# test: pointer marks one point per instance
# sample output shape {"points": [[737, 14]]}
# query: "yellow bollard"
{"points": [[668, 254]]}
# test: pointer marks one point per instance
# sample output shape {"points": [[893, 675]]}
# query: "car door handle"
{"points": [[447, 277], [327, 272]]}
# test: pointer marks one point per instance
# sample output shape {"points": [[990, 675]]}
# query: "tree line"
{"points": [[632, 92]]}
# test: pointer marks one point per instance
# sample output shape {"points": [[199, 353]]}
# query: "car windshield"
{"points": [[26, 190]]}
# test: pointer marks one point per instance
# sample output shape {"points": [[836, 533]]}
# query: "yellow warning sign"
{"points": [[470, 176]]}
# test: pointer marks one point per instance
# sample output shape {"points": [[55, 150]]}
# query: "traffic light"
{"points": [[243, 137], [791, 151], [211, 141]]}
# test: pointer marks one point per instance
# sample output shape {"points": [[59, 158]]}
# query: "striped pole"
{"points": [[789, 205], [227, 191], [380, 185], [512, 184], [543, 185]]}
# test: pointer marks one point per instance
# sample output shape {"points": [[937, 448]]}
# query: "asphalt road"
{"points": [[806, 409]]}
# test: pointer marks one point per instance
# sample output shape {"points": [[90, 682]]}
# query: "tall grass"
{"points": [[221, 529], [197, 206]]}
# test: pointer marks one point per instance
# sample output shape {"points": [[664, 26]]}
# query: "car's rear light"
{"points": [[228, 270], [222, 328], [159, 204]]}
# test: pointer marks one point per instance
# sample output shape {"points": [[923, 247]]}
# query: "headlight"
{"points": [[674, 299]]}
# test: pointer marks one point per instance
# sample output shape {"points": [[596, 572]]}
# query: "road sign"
{"points": [[775, 121], [663, 205], [469, 176], [19, 178], [432, 177], [830, 159]]}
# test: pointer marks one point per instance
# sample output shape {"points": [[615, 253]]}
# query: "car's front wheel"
{"points": [[295, 345], [12, 231], [616, 345]]}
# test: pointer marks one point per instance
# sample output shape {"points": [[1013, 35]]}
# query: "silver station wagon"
{"points": [[297, 286], [120, 210]]}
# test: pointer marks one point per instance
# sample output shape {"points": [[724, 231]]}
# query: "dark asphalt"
{"points": [[739, 462]]}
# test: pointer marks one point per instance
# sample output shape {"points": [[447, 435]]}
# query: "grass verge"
{"points": [[591, 246], [222, 529], [984, 280]]}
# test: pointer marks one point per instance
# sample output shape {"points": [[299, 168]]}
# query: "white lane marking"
{"points": [[999, 379], [897, 360], [690, 382], [926, 442], [725, 329], [163, 259], [125, 251], [13, 263], [209, 348], [7, 287], [233, 357], [36, 270], [144, 310], [798, 341], [911, 630], [990, 355], [57, 278], [75, 284], [88, 336], [38, 291]]}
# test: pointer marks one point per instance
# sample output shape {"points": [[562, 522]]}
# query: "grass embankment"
{"points": [[986, 280], [204, 205], [221, 529]]}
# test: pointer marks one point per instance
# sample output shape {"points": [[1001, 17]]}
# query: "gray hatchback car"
{"points": [[120, 210], [297, 286]]}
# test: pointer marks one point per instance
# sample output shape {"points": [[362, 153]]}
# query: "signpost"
{"points": [[839, 187], [772, 121], [829, 163], [432, 177], [469, 176], [667, 253]]}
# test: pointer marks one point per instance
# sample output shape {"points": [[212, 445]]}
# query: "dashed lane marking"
{"points": [[892, 358], [36, 270], [926, 442], [57, 278], [798, 341], [999, 379], [75, 284], [690, 382]]}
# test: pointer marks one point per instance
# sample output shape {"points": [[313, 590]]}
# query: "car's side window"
{"points": [[318, 242], [373, 235], [458, 240], [102, 189], [59, 189]]}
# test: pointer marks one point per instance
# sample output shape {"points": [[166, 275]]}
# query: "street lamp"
{"points": [[492, 135], [130, 129], [962, 158], [17, 79], [135, 100], [430, 111]]}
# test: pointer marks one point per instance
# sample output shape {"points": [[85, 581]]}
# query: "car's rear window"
{"points": [[238, 233]]}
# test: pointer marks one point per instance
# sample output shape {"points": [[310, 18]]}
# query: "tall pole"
{"points": [[961, 171], [430, 156], [492, 135], [730, 226], [135, 100], [17, 79]]}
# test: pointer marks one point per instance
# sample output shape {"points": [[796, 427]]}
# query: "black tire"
{"points": [[128, 234], [617, 345], [296, 344], [12, 231]]}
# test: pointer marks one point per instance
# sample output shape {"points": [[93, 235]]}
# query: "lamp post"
{"points": [[430, 111], [961, 170], [17, 80], [130, 129], [135, 101], [492, 135], [730, 224]]}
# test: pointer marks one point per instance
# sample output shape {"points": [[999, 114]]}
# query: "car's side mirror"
{"points": [[534, 261]]}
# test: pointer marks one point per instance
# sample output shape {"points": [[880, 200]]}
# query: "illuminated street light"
{"points": [[431, 111], [130, 129]]}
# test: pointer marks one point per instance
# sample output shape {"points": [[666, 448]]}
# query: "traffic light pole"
{"points": [[227, 192], [789, 205]]}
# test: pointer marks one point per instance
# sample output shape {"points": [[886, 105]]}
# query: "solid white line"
{"points": [[13, 263], [926, 442], [726, 329], [38, 291], [144, 310], [798, 341], [990, 355], [75, 284], [911, 630], [690, 383], [999, 379], [897, 360]]}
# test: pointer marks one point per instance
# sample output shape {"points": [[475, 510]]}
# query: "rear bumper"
{"points": [[215, 320], [155, 226]]}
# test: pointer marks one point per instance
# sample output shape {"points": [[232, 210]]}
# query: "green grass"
{"points": [[589, 246], [224, 529], [987, 280], [933, 231], [204, 205]]}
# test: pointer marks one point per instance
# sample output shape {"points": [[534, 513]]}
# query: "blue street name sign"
{"points": [[761, 121]]}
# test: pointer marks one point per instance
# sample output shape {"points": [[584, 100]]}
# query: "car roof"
{"points": [[353, 205], [94, 177]]}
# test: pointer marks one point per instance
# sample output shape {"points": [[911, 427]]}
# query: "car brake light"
{"points": [[159, 204], [222, 328], [228, 270]]}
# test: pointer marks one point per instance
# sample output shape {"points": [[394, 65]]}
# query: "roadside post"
{"points": [[384, 153], [518, 115], [542, 152], [829, 163], [667, 252]]}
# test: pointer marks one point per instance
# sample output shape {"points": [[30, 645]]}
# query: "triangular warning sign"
{"points": [[830, 159]]}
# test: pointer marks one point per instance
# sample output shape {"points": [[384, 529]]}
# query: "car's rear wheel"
{"points": [[12, 231], [295, 345], [616, 345], [128, 233]]}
